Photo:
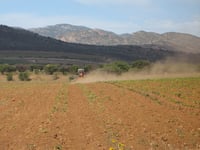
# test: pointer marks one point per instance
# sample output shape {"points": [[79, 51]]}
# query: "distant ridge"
{"points": [[84, 35], [21, 44]]}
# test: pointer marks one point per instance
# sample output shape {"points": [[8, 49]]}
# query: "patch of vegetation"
{"points": [[142, 92], [7, 68], [140, 64], [50, 68], [58, 147], [73, 69], [180, 132], [116, 145], [31, 146], [71, 78], [180, 91], [35, 67], [117, 67], [9, 76], [90, 95], [87, 68], [36, 71], [24, 76], [61, 100], [63, 69]]}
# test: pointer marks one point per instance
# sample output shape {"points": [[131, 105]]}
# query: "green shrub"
{"points": [[36, 71], [72, 78], [73, 69], [35, 67], [87, 68], [9, 77], [7, 68], [51, 68], [24, 76], [140, 64], [63, 70], [117, 67]]}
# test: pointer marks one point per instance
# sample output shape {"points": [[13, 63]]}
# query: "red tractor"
{"points": [[81, 72]]}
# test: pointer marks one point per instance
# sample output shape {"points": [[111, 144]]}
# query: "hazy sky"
{"points": [[119, 16]]}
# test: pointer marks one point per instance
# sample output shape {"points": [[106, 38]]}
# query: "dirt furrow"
{"points": [[141, 123], [102, 116], [23, 114], [78, 128]]}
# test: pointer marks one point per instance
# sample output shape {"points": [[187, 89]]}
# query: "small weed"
{"points": [[180, 133], [58, 147], [92, 97], [155, 92], [55, 109], [116, 145], [176, 101], [43, 130], [178, 95], [154, 145], [31, 146], [60, 101]]}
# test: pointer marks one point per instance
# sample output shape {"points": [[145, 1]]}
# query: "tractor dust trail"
{"points": [[102, 76], [165, 69]]}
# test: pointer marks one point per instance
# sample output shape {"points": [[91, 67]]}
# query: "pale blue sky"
{"points": [[119, 16]]}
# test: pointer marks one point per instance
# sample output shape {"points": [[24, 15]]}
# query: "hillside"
{"points": [[24, 46], [79, 34]]}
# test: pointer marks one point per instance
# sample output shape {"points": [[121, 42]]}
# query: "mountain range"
{"points": [[22, 46], [83, 35]]}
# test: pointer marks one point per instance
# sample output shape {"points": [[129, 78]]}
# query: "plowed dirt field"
{"points": [[122, 115]]}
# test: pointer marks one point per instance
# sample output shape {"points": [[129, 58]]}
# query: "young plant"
{"points": [[9, 76]]}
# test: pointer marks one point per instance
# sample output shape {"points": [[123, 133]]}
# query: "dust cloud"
{"points": [[168, 68]]}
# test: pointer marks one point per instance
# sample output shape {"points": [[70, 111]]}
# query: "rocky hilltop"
{"points": [[84, 35]]}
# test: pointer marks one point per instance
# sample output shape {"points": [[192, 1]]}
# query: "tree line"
{"points": [[48, 69], [117, 67], [24, 71]]}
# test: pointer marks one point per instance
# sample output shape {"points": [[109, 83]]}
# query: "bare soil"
{"points": [[56, 115]]}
